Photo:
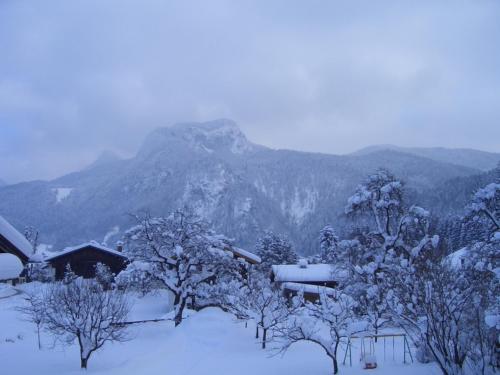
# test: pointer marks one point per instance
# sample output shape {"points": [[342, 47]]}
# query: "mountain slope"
{"points": [[481, 160], [242, 188]]}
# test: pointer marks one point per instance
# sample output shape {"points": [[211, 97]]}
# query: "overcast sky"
{"points": [[80, 77]]}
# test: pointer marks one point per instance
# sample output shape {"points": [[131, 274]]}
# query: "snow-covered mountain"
{"points": [[241, 187], [481, 160]]}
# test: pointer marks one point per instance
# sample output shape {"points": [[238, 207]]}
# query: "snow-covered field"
{"points": [[207, 342]]}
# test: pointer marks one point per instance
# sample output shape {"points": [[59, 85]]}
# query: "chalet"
{"points": [[309, 279], [83, 258], [13, 242], [11, 268]]}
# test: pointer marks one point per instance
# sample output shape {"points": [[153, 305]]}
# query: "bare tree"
{"points": [[34, 311], [83, 311]]}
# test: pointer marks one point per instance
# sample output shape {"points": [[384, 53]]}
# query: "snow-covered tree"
{"points": [[179, 252], [443, 306], [32, 234], [136, 278], [328, 244], [486, 204], [325, 323], [395, 234], [82, 311], [275, 249], [104, 276], [263, 302]]}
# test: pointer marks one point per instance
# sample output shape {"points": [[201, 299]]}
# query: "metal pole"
{"points": [[393, 348], [384, 348]]}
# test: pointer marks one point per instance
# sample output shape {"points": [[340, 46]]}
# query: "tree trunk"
{"points": [[376, 333], [178, 315], [257, 332], [83, 363], [38, 336], [335, 366], [264, 337]]}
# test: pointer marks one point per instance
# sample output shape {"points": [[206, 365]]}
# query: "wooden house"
{"points": [[83, 258]]}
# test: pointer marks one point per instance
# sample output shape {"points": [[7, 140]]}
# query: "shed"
{"points": [[83, 258], [10, 268]]}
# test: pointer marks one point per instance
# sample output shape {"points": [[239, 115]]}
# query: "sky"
{"points": [[84, 76]]}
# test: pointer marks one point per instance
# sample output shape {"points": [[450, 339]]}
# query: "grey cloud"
{"points": [[80, 77]]}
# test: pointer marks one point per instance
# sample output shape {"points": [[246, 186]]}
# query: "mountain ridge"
{"points": [[241, 187]]}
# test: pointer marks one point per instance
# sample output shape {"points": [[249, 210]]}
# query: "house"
{"points": [[83, 258], [13, 242], [309, 279], [10, 268]]}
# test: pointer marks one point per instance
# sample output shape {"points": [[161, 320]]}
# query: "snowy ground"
{"points": [[208, 342]]}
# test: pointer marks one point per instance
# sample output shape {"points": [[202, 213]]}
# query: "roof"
{"points": [[250, 257], [12, 235], [10, 266], [82, 246], [310, 273]]}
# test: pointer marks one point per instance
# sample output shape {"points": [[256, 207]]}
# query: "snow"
{"points": [[246, 254], [83, 245], [313, 272], [207, 342], [62, 193], [14, 237], [456, 257], [10, 266]]}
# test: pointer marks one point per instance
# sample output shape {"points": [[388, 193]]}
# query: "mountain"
{"points": [[2, 183], [241, 187], [481, 160], [106, 157]]}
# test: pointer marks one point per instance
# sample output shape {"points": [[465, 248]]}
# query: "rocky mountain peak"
{"points": [[218, 136]]}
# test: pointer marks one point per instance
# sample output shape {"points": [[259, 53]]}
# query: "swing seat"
{"points": [[370, 362]]}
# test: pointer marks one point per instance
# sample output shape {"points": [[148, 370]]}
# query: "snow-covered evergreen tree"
{"points": [[328, 245], [275, 249]]}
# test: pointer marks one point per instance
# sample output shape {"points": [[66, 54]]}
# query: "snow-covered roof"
{"points": [[310, 273], [308, 288], [456, 257], [12, 235], [10, 266], [92, 244], [246, 254]]}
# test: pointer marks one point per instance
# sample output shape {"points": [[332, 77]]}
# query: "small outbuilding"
{"points": [[10, 268], [83, 259]]}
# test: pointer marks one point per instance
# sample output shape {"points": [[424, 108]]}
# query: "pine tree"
{"points": [[275, 249], [328, 244]]}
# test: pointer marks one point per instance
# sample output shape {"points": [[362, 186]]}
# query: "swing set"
{"points": [[367, 347]]}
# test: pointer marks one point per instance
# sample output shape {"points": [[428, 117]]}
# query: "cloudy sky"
{"points": [[80, 77]]}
